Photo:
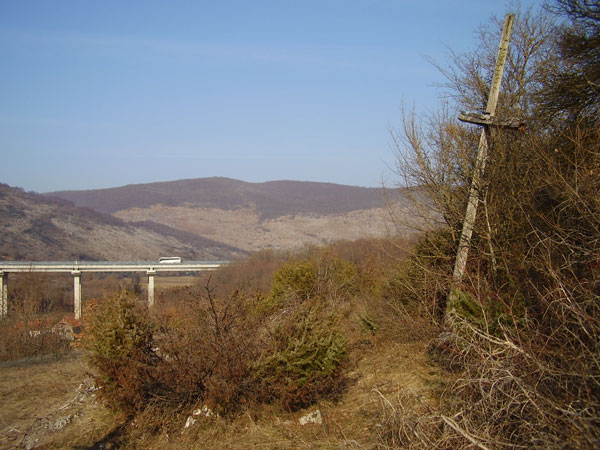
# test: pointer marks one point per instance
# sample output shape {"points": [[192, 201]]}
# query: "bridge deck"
{"points": [[108, 266]]}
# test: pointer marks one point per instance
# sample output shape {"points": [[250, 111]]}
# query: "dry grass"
{"points": [[39, 398], [33, 395]]}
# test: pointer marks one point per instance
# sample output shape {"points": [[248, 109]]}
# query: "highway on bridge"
{"points": [[76, 268]]}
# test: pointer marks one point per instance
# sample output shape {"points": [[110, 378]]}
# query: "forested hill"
{"points": [[271, 199]]}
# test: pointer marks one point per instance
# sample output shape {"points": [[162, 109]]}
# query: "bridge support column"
{"points": [[3, 294], [77, 293], [151, 273]]}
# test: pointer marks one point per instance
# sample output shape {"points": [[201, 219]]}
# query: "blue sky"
{"points": [[106, 93]]}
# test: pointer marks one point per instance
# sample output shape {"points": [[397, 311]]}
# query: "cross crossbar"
{"points": [[491, 121]]}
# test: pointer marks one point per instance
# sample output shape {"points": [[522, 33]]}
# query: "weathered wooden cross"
{"points": [[487, 120]]}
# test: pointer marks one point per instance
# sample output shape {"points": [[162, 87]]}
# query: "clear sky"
{"points": [[105, 93]]}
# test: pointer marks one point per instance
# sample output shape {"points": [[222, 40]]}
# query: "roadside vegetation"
{"points": [[273, 332], [363, 332]]}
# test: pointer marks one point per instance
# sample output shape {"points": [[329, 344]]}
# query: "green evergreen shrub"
{"points": [[294, 280], [306, 360], [322, 275]]}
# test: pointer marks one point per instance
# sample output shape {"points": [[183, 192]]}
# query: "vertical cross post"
{"points": [[77, 293], [480, 163], [3, 294], [151, 273]]}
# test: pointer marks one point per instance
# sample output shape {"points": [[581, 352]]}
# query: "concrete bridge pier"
{"points": [[151, 273], [77, 293], [3, 294]]}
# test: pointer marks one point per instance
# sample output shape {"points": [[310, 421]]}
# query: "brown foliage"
{"points": [[34, 309], [525, 320], [208, 348], [222, 353]]}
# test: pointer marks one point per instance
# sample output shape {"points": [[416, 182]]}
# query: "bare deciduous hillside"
{"points": [[251, 216], [39, 228], [270, 199]]}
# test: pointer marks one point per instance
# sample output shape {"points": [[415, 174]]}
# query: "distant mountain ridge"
{"points": [[270, 199], [278, 215], [36, 227]]}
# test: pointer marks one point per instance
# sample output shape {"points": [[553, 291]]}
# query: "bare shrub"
{"points": [[406, 422], [208, 350], [40, 293], [33, 312], [200, 354], [251, 275], [119, 338], [30, 338]]}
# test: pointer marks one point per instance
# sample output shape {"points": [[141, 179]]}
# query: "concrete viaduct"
{"points": [[77, 268]]}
